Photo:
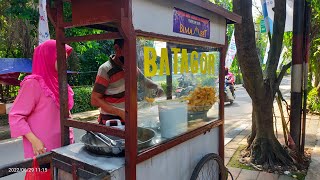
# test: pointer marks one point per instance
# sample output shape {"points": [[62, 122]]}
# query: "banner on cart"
{"points": [[190, 24]]}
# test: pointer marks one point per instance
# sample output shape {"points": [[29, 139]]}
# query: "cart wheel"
{"points": [[210, 167], [230, 175]]}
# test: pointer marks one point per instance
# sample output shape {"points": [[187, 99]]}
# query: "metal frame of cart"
{"points": [[125, 19]]}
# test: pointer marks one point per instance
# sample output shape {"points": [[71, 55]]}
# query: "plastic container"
{"points": [[148, 117], [173, 118]]}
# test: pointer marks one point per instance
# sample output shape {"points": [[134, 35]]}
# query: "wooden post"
{"points": [[1, 94], [62, 74], [223, 53], [130, 65]]}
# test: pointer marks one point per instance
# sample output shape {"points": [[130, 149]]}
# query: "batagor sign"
{"points": [[199, 62]]}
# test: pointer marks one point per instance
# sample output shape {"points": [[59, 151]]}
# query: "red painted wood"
{"points": [[95, 11], [104, 36], [62, 75], [223, 52]]}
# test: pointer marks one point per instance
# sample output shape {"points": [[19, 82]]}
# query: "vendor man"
{"points": [[109, 89]]}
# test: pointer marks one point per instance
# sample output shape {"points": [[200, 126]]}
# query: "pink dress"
{"points": [[34, 110]]}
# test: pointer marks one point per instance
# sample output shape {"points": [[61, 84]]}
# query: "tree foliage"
{"points": [[18, 28], [314, 64], [19, 36]]}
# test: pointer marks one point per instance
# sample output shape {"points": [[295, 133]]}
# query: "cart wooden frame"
{"points": [[116, 17]]}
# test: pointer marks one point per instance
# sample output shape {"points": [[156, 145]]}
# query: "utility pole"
{"points": [[306, 49], [297, 71]]}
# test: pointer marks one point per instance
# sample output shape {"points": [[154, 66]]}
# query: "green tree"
{"points": [[19, 36], [17, 31], [264, 148], [314, 64]]}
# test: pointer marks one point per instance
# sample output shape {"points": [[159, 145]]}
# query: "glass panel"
{"points": [[188, 76]]}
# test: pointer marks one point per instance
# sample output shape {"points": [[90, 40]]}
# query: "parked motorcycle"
{"points": [[229, 91], [228, 95], [185, 86]]}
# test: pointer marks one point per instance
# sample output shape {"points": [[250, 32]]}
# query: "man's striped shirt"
{"points": [[110, 82]]}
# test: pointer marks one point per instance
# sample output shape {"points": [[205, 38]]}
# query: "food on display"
{"points": [[149, 100], [201, 99]]}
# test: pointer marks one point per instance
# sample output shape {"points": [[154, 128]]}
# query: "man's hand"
{"points": [[97, 100], [122, 114], [159, 92]]}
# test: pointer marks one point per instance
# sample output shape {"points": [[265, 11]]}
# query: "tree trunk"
{"points": [[265, 149], [263, 146]]}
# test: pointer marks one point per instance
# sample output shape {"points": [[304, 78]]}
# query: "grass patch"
{"points": [[299, 176], [4, 120], [234, 161], [4, 135]]}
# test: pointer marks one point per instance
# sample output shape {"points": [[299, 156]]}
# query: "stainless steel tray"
{"points": [[96, 146]]}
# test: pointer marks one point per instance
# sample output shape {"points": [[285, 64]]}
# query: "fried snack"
{"points": [[201, 99], [150, 100]]}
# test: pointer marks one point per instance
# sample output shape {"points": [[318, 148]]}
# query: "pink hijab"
{"points": [[43, 70]]}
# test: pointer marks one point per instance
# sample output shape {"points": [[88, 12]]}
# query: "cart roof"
{"points": [[206, 4]]}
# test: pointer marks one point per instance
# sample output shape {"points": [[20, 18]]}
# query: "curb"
{"points": [[4, 135]]}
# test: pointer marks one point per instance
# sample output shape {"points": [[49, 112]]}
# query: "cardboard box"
{"points": [[2, 108]]}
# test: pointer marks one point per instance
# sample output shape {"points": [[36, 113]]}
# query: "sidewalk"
{"points": [[312, 141]]}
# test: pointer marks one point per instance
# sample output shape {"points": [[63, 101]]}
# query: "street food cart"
{"points": [[179, 44]]}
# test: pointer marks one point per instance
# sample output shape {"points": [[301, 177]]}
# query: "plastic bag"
{"points": [[37, 173]]}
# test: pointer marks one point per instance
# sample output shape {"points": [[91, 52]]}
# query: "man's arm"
{"points": [[97, 100], [149, 83]]}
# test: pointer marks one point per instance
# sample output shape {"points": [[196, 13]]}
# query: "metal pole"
{"points": [[296, 73], [305, 71], [169, 77]]}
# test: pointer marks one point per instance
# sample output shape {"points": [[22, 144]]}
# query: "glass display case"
{"points": [[187, 77]]}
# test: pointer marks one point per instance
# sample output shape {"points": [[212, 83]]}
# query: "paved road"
{"points": [[236, 120], [238, 115]]}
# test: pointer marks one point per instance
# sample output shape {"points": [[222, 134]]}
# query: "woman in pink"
{"points": [[35, 114]]}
